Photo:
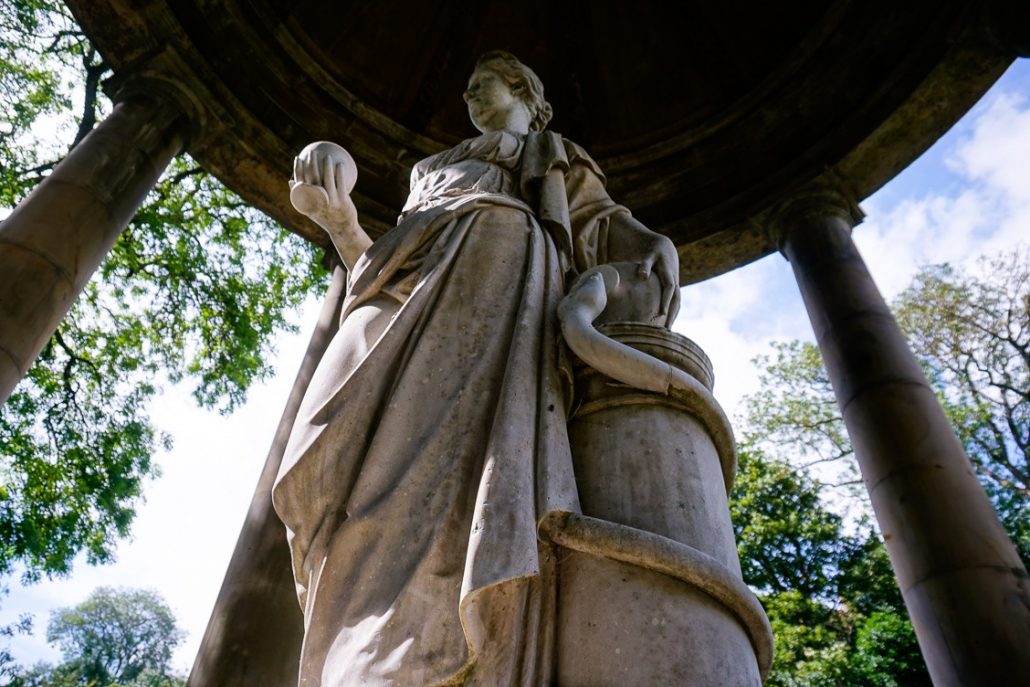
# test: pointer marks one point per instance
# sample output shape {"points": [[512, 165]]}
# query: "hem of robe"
{"points": [[474, 639]]}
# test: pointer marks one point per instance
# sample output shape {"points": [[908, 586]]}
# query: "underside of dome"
{"points": [[703, 115]]}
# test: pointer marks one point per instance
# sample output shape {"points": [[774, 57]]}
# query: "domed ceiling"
{"points": [[702, 114]]}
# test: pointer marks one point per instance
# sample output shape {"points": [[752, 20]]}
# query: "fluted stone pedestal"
{"points": [[650, 591]]}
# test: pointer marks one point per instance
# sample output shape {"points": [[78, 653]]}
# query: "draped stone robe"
{"points": [[417, 470]]}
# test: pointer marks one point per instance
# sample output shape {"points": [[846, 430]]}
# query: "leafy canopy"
{"points": [[194, 292], [115, 638], [836, 614], [972, 335]]}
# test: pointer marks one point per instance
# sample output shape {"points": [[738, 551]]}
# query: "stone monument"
{"points": [[469, 498], [720, 159]]}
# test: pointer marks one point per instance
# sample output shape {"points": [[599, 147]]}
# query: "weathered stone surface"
{"points": [[55, 239], [964, 585], [432, 439], [643, 460], [622, 624], [649, 585]]}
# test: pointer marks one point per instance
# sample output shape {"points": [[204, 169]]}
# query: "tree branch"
{"points": [[94, 72]]}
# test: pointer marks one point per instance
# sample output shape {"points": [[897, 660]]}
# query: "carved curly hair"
{"points": [[524, 83]]}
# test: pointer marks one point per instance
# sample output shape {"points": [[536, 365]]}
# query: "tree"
{"points": [[886, 652], [824, 576], [9, 668], [785, 539], [971, 334], [836, 614], [194, 291], [116, 637]]}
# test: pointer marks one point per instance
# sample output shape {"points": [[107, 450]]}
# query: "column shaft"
{"points": [[57, 236], [256, 628], [963, 583]]}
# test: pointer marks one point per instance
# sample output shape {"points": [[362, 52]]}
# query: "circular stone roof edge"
{"points": [[951, 89], [238, 148]]}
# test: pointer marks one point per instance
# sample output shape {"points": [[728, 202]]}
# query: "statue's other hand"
{"points": [[661, 257]]}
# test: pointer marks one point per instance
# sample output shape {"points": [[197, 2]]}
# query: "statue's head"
{"points": [[500, 84]]}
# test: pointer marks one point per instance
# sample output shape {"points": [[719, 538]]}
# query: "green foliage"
{"points": [[972, 335], [194, 291], [866, 579], [785, 539], [820, 581], [886, 652], [811, 647], [825, 580], [819, 647], [794, 412], [42, 54], [115, 638], [9, 668]]}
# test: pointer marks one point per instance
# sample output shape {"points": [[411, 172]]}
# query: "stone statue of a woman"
{"points": [[432, 439]]}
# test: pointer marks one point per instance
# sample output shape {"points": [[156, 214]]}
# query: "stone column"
{"points": [[256, 628], [963, 583], [55, 239]]}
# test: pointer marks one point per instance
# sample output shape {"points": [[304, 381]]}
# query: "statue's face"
{"points": [[491, 101]]}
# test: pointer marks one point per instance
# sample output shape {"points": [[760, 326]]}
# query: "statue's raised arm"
{"points": [[324, 175]]}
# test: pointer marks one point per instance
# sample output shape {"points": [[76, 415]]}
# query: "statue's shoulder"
{"points": [[548, 150], [576, 153], [573, 150]]}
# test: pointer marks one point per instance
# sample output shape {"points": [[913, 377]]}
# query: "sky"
{"points": [[968, 195]]}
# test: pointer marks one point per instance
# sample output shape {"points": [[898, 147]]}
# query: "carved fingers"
{"points": [[330, 175], [306, 169], [319, 189], [323, 176], [663, 259], [671, 300]]}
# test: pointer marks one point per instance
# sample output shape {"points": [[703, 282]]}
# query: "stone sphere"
{"points": [[322, 149]]}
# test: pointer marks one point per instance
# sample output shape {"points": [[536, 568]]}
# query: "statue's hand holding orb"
{"points": [[324, 175]]}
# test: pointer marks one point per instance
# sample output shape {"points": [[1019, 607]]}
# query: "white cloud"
{"points": [[919, 231], [988, 213], [735, 316], [995, 154]]}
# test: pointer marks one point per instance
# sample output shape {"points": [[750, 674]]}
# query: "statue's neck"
{"points": [[515, 120]]}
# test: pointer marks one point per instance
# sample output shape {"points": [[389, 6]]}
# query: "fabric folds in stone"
{"points": [[415, 477]]}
